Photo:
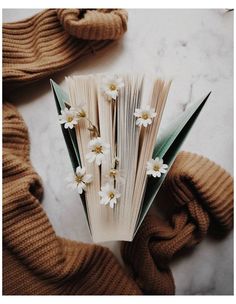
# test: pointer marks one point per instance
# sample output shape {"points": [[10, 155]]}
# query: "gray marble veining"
{"points": [[195, 49]]}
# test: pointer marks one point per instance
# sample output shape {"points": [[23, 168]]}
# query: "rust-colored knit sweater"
{"points": [[35, 260], [202, 193], [51, 40]]}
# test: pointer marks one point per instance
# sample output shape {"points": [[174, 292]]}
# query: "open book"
{"points": [[110, 125]]}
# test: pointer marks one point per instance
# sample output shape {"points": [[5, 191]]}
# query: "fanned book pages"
{"points": [[110, 124]]}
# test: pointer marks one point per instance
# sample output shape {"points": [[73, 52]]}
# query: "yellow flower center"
{"points": [[156, 168], [82, 114], [113, 173], [69, 118], [97, 149], [78, 179], [145, 116], [111, 195], [112, 87]]}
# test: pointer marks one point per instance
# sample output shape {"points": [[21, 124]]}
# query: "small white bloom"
{"points": [[68, 118], [79, 180], [144, 116], [109, 195], [113, 173], [117, 175], [111, 85], [97, 150], [155, 167]]}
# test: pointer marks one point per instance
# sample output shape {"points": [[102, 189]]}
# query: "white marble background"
{"points": [[195, 49]]}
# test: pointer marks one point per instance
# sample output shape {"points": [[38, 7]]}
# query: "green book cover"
{"points": [[167, 147]]}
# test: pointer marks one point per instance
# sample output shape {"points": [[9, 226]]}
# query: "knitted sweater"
{"points": [[38, 262]]}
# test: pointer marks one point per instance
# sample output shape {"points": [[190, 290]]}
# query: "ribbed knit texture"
{"points": [[49, 41], [203, 194], [35, 260]]}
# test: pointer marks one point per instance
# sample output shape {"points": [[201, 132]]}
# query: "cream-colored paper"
{"points": [[133, 145]]}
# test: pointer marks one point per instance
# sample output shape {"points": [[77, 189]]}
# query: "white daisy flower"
{"points": [[97, 150], [68, 118], [108, 195], [110, 86], [113, 173], [79, 180], [144, 116], [155, 167]]}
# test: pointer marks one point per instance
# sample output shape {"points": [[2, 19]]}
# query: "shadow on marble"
{"points": [[40, 88]]}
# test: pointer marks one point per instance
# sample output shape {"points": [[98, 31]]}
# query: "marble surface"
{"points": [[195, 49]]}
